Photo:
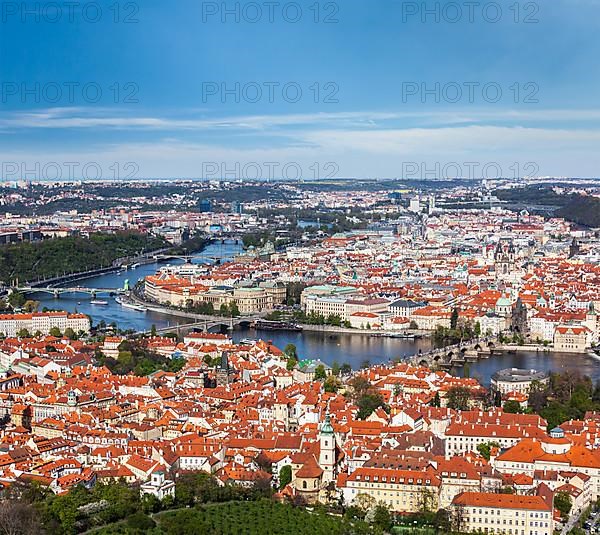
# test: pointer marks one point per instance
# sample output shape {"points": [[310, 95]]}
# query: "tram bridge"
{"points": [[58, 291]]}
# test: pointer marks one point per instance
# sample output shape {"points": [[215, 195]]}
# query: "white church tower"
{"points": [[327, 452]]}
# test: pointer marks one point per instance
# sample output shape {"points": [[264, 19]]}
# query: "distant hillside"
{"points": [[581, 209]]}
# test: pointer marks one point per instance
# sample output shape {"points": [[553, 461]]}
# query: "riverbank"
{"points": [[363, 332]]}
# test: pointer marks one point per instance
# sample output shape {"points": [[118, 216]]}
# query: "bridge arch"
{"points": [[216, 328]]}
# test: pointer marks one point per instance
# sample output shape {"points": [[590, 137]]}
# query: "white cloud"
{"points": [[355, 153]]}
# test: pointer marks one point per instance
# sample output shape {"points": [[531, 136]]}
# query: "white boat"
{"points": [[133, 306], [98, 302]]}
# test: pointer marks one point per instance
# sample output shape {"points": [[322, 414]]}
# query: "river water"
{"points": [[354, 349], [126, 318]]}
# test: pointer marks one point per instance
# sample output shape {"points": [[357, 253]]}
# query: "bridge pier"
{"points": [[56, 294]]}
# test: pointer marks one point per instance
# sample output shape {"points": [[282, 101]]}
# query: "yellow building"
{"points": [[402, 491], [571, 338]]}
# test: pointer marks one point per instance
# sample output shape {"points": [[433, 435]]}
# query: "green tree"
{"points": [[285, 476], [563, 502], [332, 384], [382, 518], [320, 373], [16, 299], [359, 386], [140, 523], [436, 401], [290, 351], [153, 330], [485, 449], [346, 369], [443, 521], [512, 406], [55, 331], [368, 403], [70, 334], [458, 398], [23, 333], [454, 318]]}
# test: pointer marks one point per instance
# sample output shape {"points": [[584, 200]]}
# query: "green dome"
{"points": [[327, 428]]}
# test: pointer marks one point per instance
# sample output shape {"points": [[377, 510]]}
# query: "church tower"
{"points": [[591, 319], [504, 258], [327, 450]]}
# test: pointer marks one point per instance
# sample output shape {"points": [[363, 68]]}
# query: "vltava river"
{"points": [[351, 348]]}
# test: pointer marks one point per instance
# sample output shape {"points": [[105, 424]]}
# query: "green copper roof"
{"points": [[327, 428]]}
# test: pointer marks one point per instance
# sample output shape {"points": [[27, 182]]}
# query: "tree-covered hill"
{"points": [[52, 257]]}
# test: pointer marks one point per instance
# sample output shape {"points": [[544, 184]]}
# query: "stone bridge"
{"points": [[455, 355], [210, 324]]}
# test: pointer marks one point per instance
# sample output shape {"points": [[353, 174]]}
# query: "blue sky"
{"points": [[359, 88]]}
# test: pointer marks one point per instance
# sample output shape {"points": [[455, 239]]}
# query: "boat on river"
{"points": [[98, 302], [267, 325], [130, 305]]}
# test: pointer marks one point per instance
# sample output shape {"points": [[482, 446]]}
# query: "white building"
{"points": [[11, 324], [484, 512], [158, 486]]}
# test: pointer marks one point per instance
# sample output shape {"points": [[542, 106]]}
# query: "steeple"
{"points": [[326, 427], [327, 459]]}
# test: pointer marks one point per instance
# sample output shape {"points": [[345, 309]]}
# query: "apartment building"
{"points": [[11, 324], [403, 491], [509, 514]]}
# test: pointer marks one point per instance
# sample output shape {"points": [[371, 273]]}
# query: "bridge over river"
{"points": [[455, 355], [209, 323], [58, 291]]}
